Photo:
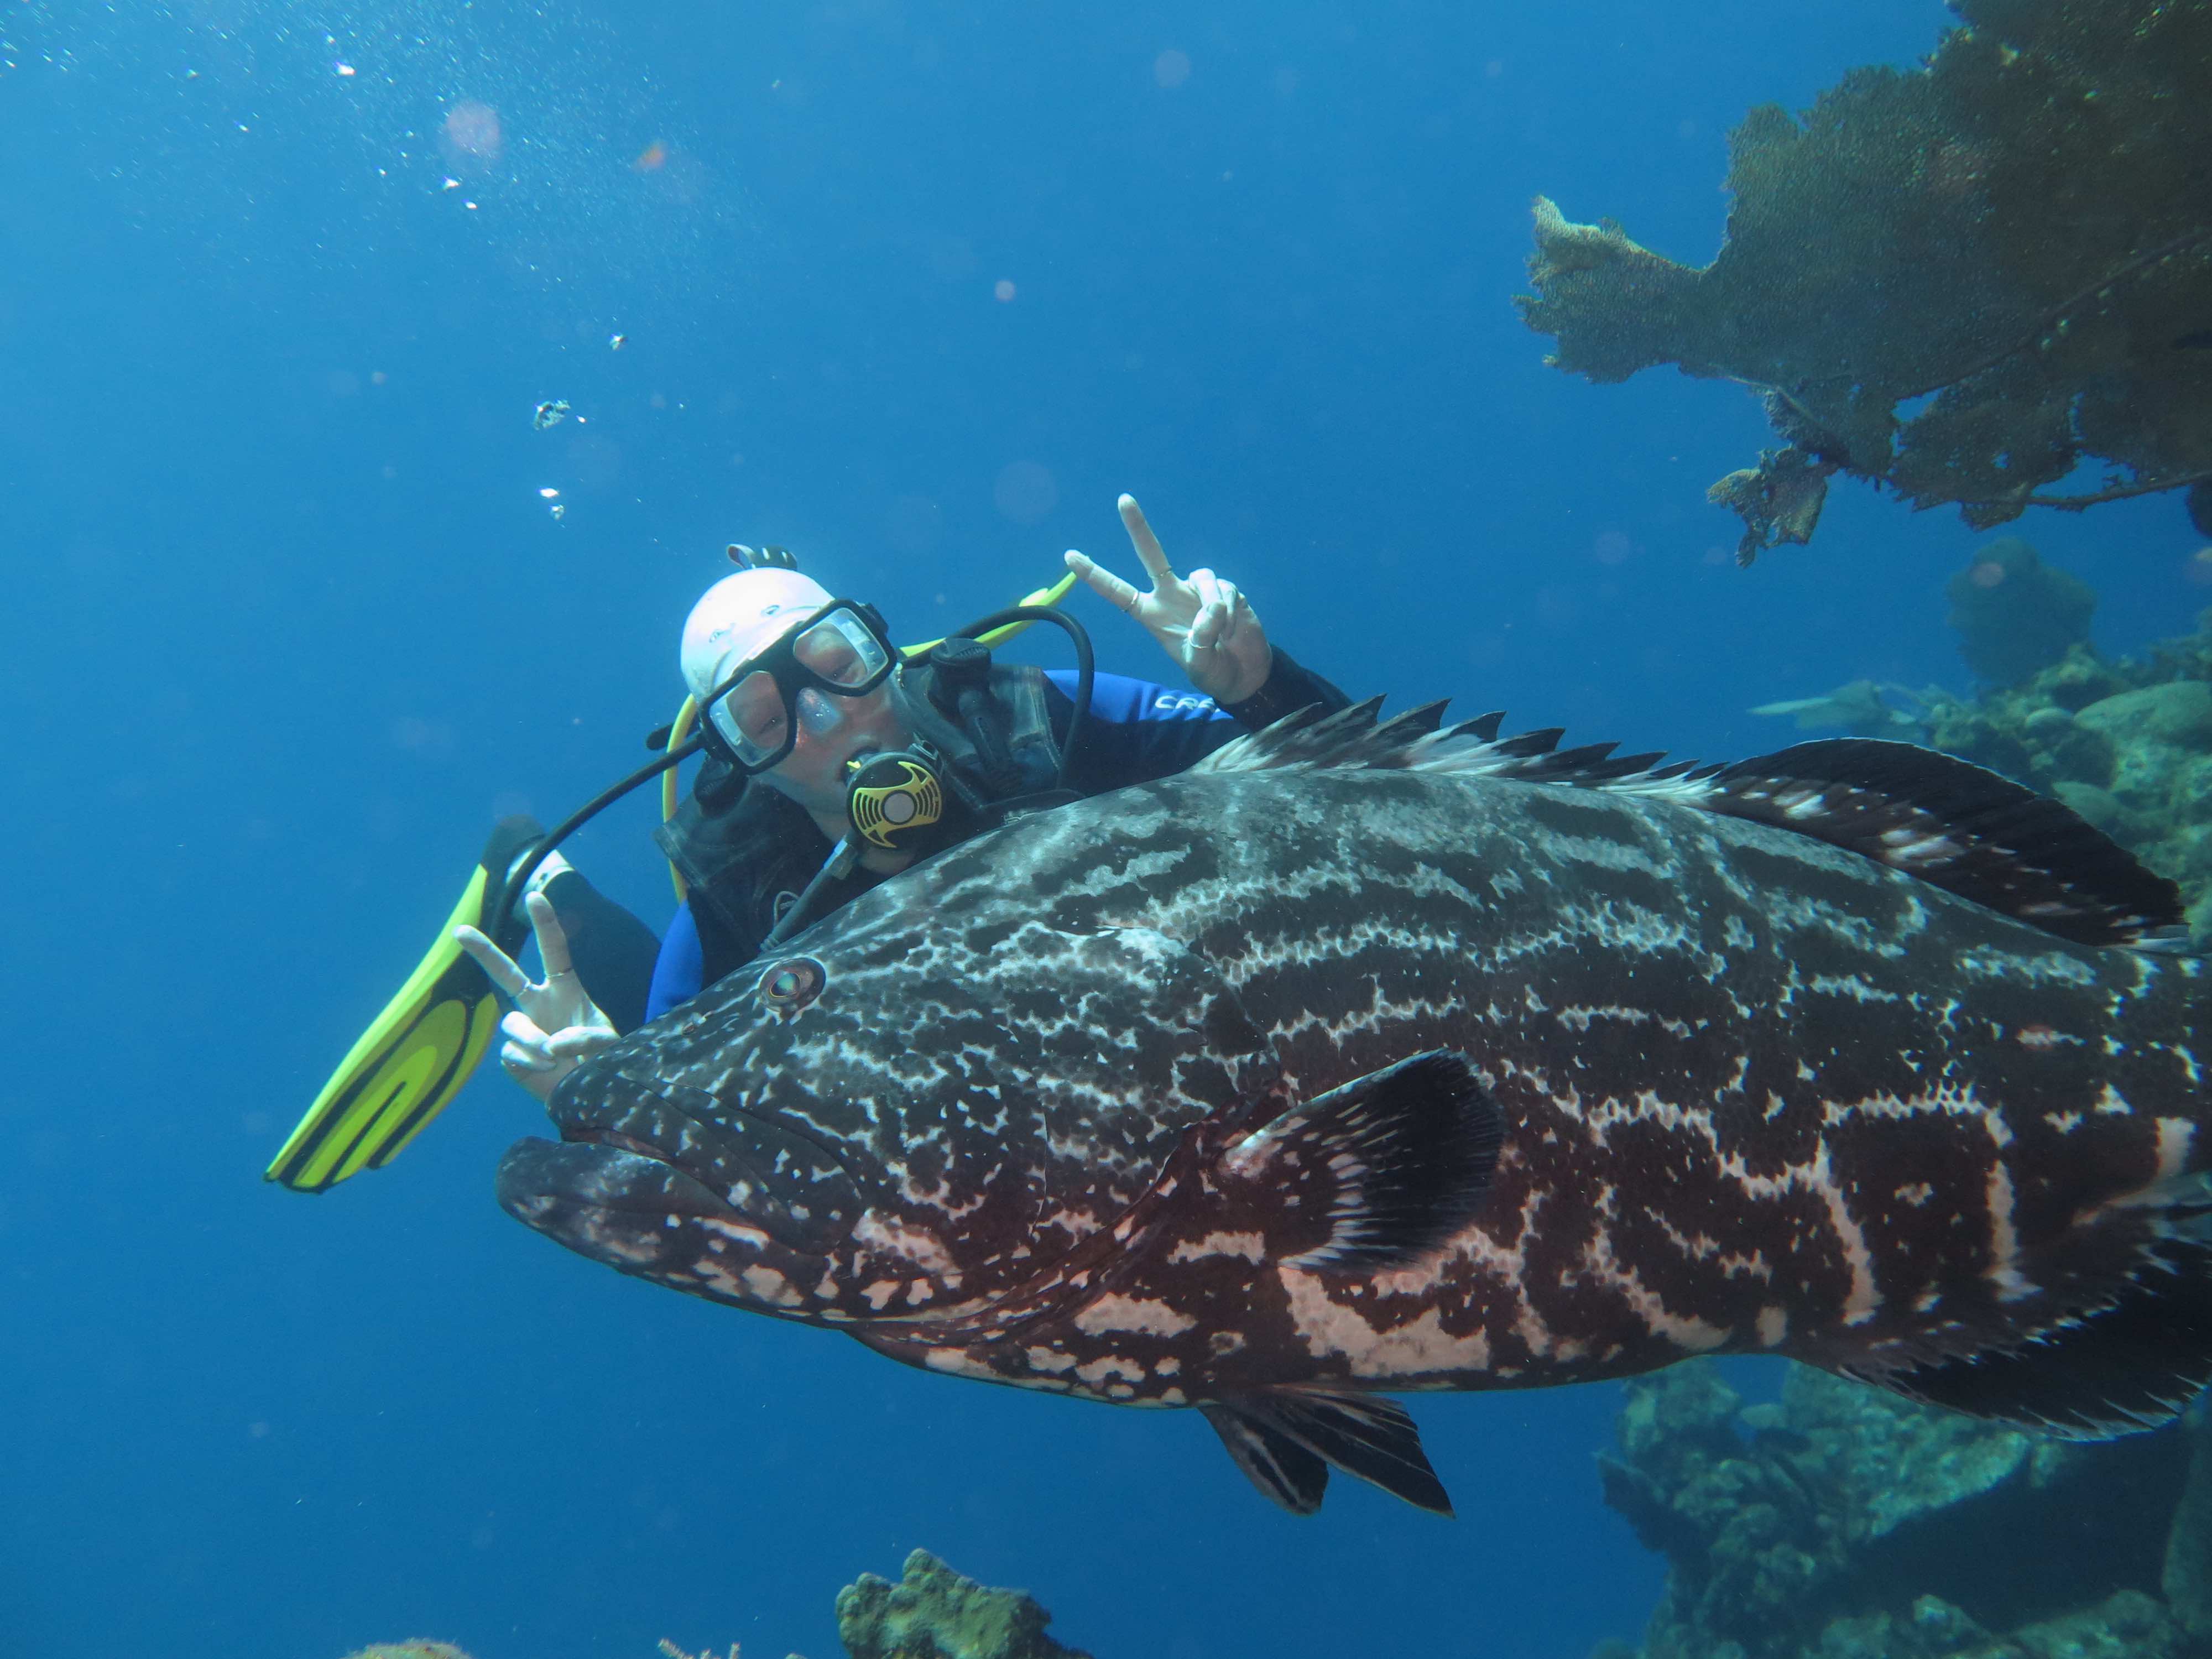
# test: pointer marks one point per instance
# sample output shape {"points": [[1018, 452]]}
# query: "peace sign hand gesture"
{"points": [[1201, 620], [556, 1025]]}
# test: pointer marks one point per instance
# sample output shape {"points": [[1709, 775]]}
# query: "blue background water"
{"points": [[289, 622]]}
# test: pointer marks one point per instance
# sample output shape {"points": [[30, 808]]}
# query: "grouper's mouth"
{"points": [[740, 1211]]}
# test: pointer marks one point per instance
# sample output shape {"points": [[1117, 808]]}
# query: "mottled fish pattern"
{"points": [[1368, 1059]]}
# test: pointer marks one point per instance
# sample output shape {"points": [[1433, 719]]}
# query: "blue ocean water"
{"points": [[915, 288]]}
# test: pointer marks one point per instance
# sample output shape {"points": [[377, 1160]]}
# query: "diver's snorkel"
{"points": [[518, 878]]}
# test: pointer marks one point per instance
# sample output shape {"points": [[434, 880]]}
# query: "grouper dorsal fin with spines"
{"points": [[1925, 814]]}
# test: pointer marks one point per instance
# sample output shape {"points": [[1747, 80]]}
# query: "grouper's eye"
{"points": [[791, 984]]}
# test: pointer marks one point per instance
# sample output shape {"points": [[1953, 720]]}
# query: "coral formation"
{"points": [[1846, 1521], [2018, 232], [417, 1648], [2128, 744], [933, 1613], [2016, 615]]}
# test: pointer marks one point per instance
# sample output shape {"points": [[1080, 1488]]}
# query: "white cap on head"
{"points": [[741, 615]]}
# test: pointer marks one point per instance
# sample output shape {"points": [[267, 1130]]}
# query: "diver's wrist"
{"points": [[1274, 697]]}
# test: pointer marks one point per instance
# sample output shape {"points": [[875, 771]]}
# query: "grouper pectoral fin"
{"points": [[1410, 1150], [2133, 1365], [1286, 1440]]}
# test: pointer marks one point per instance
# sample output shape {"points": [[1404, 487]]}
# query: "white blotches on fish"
{"points": [[2110, 1102], [2004, 1241], [1330, 1329], [1807, 804], [879, 1294], [1050, 1360], [1097, 1372], [1113, 1312], [767, 1285], [1907, 848], [1249, 1246], [736, 1232], [1950, 1099], [1167, 1366], [2045, 968], [1774, 1326], [894, 1237], [1580, 1020], [1685, 1331], [2065, 1122], [954, 1361], [1915, 1195], [2175, 1136], [1851, 985]]}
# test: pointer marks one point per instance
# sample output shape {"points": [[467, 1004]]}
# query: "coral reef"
{"points": [[2126, 744], [2017, 232], [1844, 1522], [2016, 615], [417, 1648], [933, 1613]]}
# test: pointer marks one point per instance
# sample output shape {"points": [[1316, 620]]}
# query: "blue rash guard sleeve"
{"points": [[1137, 731], [679, 972]]}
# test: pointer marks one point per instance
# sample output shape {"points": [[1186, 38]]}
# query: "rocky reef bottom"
{"points": [[1846, 1524], [931, 1613]]}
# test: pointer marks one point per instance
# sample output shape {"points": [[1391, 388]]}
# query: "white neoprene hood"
{"points": [[739, 617]]}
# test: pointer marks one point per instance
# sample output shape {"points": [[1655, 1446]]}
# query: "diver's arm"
{"points": [[1138, 731], [1290, 686], [613, 951], [679, 972]]}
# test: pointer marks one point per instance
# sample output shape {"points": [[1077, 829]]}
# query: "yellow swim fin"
{"points": [[417, 1054]]}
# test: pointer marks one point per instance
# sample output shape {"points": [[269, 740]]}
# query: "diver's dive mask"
{"points": [[755, 713]]}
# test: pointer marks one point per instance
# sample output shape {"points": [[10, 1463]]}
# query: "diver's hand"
{"points": [[1201, 620], [555, 1025]]}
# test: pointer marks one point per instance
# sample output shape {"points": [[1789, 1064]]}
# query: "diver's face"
{"points": [[831, 731]]}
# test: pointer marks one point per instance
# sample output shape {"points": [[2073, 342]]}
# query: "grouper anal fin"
{"points": [[1286, 1440]]}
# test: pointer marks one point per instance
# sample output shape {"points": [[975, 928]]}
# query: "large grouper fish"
{"points": [[1367, 1057]]}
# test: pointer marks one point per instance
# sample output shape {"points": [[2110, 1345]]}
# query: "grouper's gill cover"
{"points": [[1367, 1057]]}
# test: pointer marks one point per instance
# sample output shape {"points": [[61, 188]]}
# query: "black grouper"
{"points": [[1376, 1057]]}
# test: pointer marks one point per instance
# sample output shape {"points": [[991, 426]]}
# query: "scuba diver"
{"points": [[812, 719], [831, 760]]}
